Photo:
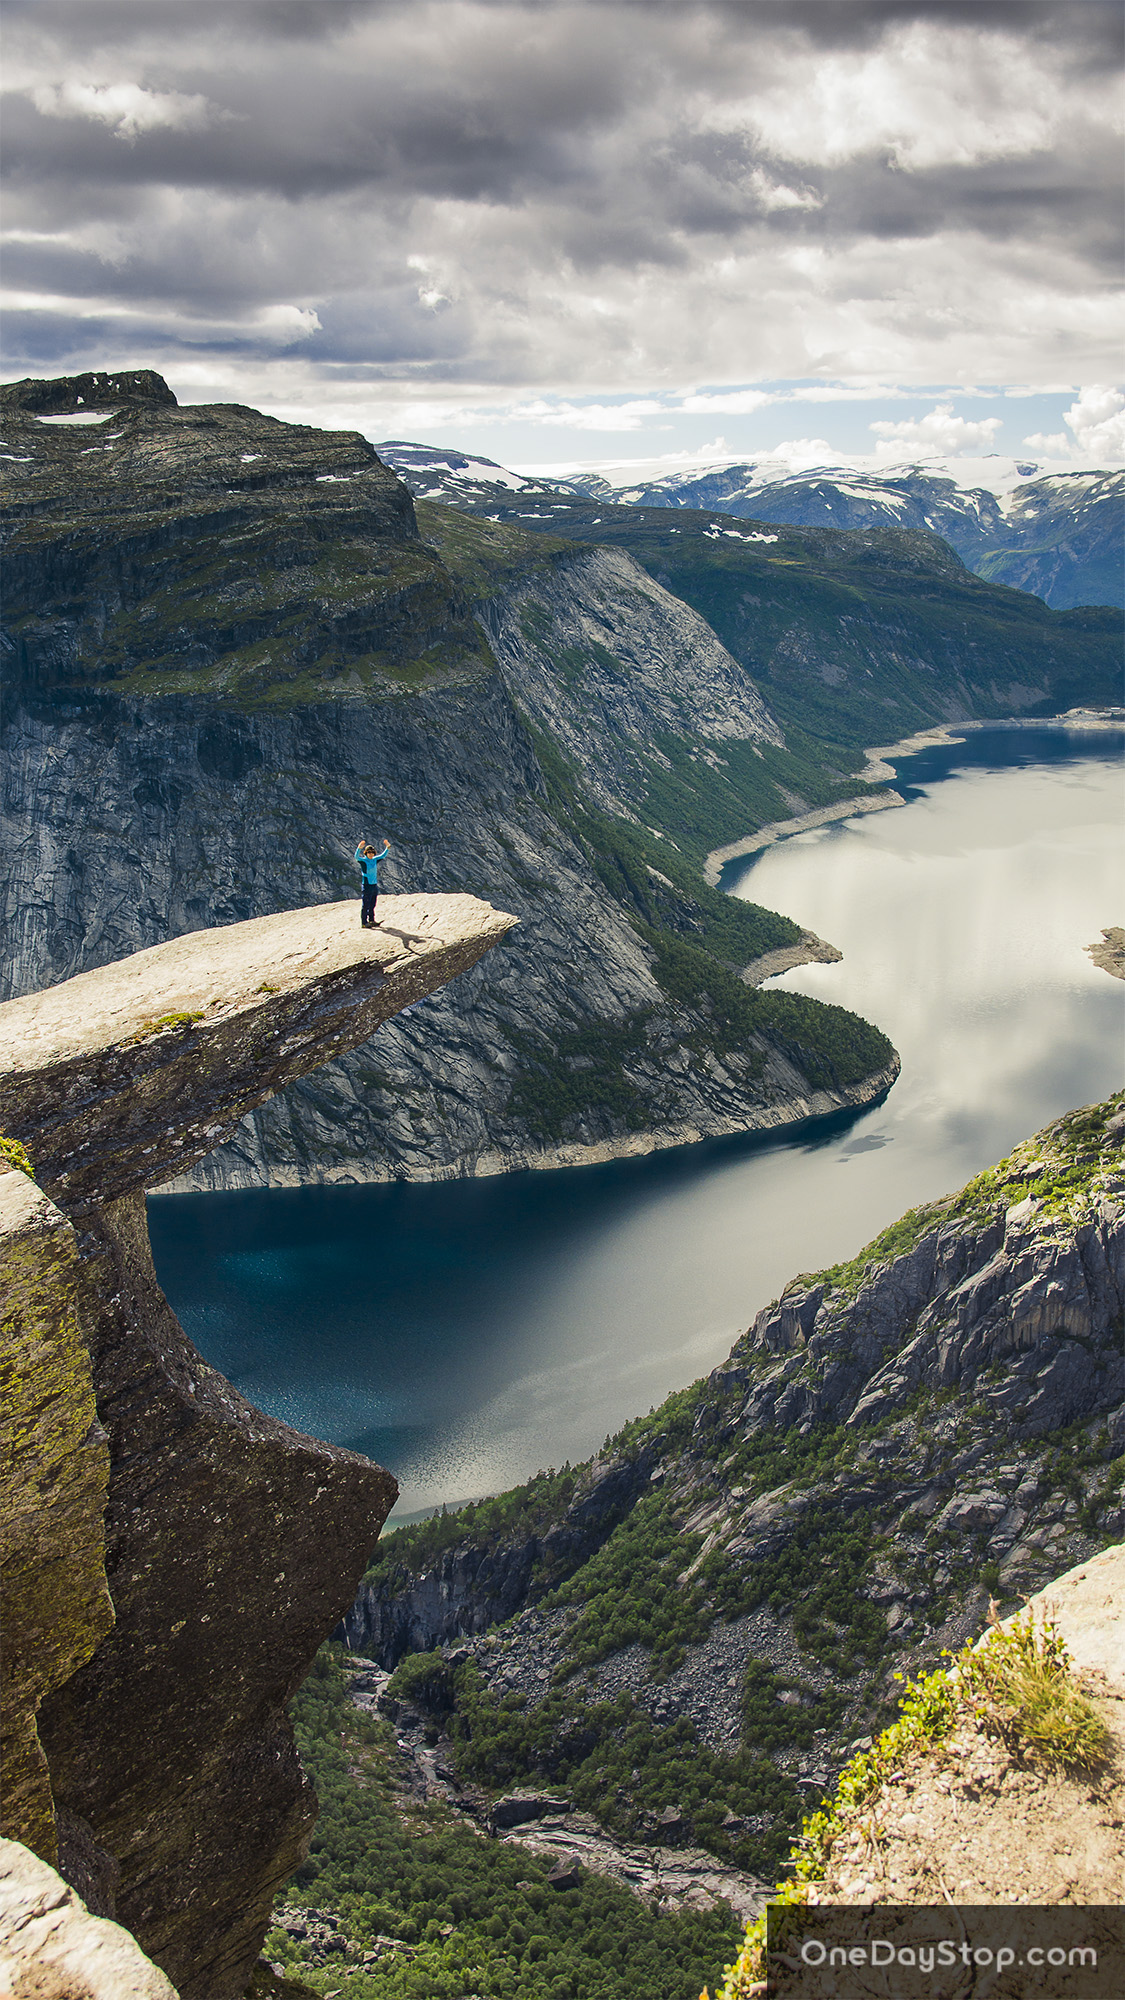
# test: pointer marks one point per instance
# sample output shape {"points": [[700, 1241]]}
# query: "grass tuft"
{"points": [[164, 1024], [14, 1154], [1021, 1687], [1018, 1682]]}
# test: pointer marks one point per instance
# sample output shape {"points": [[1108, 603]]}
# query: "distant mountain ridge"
{"points": [[1055, 534]]}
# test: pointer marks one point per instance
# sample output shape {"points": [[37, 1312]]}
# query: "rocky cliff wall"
{"points": [[204, 816], [607, 661], [56, 1469], [174, 1557]]}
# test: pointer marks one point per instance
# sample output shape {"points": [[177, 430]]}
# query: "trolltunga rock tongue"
{"points": [[155, 1759], [123, 1077]]}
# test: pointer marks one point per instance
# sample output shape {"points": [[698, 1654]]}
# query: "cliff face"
{"points": [[231, 654], [155, 1758], [846, 633], [892, 1442], [56, 1601]]}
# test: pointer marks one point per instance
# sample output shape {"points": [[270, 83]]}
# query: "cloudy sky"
{"points": [[566, 233]]}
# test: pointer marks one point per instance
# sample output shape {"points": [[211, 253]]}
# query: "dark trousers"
{"points": [[370, 898]]}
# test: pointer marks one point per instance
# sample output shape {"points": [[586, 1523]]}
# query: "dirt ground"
{"points": [[966, 1823]]}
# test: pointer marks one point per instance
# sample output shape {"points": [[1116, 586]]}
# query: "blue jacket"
{"points": [[369, 865]]}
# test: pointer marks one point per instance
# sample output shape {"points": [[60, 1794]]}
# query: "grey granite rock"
{"points": [[51, 1948], [232, 654]]}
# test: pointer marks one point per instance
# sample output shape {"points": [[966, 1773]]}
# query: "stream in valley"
{"points": [[466, 1333]]}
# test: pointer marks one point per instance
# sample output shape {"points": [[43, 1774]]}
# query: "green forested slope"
{"points": [[477, 1917], [716, 1606]]}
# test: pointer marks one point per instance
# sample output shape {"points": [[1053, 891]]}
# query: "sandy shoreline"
{"points": [[782, 829], [1084, 719]]}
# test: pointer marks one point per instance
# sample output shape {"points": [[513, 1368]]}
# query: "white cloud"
{"points": [[127, 108], [590, 416], [285, 324], [842, 392], [1097, 429], [733, 402], [576, 202], [772, 195], [1098, 422], [273, 326], [929, 95], [938, 435], [801, 452]]}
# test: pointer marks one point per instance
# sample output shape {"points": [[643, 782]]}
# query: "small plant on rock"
{"points": [[1020, 1685]]}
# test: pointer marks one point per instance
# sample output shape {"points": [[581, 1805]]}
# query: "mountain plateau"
{"points": [[1057, 534]]}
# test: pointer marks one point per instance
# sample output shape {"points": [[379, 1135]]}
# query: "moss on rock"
{"points": [[56, 1603]]}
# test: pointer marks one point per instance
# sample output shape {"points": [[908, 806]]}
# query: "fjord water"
{"points": [[467, 1333]]}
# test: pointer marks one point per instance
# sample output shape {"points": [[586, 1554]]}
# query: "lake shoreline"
{"points": [[1079, 720], [720, 858], [790, 1113], [879, 771], [469, 1332]]}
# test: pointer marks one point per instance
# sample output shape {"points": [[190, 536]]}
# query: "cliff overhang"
{"points": [[174, 1557], [121, 1078]]}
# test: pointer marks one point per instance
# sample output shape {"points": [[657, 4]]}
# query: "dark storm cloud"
{"points": [[831, 22], [440, 181]]}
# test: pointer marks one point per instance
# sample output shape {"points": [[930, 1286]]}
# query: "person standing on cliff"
{"points": [[369, 870]]}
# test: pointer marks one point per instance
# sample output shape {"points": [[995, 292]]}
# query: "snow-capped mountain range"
{"points": [[1055, 532]]}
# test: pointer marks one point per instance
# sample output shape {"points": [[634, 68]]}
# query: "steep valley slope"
{"points": [[230, 653], [847, 633], [686, 1635]]}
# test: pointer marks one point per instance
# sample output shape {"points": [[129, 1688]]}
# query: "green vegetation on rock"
{"points": [[1018, 1684], [756, 1522], [615, 1762], [16, 1156], [699, 940]]}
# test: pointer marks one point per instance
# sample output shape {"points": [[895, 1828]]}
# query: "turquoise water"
{"points": [[466, 1333]]}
